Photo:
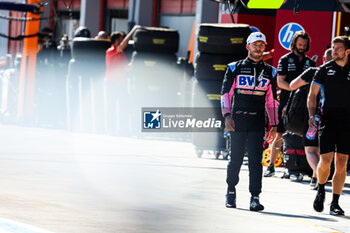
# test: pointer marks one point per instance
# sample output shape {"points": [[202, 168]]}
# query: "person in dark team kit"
{"points": [[249, 87], [333, 81], [311, 148], [289, 67]]}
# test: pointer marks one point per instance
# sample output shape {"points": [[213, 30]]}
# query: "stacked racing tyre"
{"points": [[155, 79], [218, 45], [84, 85]]}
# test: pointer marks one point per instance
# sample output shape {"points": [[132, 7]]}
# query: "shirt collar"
{"points": [[248, 60], [296, 57]]}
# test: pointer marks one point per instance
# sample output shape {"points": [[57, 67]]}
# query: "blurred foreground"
{"points": [[84, 183]]}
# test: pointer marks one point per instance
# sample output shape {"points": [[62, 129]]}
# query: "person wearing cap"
{"points": [[248, 89], [290, 66]]}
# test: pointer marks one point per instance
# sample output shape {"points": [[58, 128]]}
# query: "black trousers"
{"points": [[248, 137]]}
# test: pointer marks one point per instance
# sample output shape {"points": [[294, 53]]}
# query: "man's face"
{"points": [[256, 49], [300, 45], [338, 52]]}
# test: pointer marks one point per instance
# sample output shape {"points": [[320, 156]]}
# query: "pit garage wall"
{"points": [[184, 25], [93, 23], [179, 15], [320, 25], [93, 14]]}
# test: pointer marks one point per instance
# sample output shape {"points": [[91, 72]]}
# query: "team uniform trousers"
{"points": [[248, 137]]}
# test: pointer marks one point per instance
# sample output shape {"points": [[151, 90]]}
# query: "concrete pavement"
{"points": [[80, 183]]}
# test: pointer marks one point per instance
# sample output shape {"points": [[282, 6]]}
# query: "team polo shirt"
{"points": [[309, 74], [290, 66], [334, 81]]}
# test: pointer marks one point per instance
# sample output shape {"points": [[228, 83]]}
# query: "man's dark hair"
{"points": [[303, 35], [116, 36], [342, 39]]}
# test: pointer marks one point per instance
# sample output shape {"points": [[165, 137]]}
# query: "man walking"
{"points": [[333, 80], [248, 88], [311, 148], [290, 66]]}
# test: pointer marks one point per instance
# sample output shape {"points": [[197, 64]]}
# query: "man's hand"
{"points": [[272, 134], [311, 121], [230, 123]]}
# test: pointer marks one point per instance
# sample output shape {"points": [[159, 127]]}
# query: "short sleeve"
{"points": [[282, 66], [319, 77], [308, 75]]}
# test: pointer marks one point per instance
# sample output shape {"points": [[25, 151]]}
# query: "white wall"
{"points": [[184, 25], [119, 25]]}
